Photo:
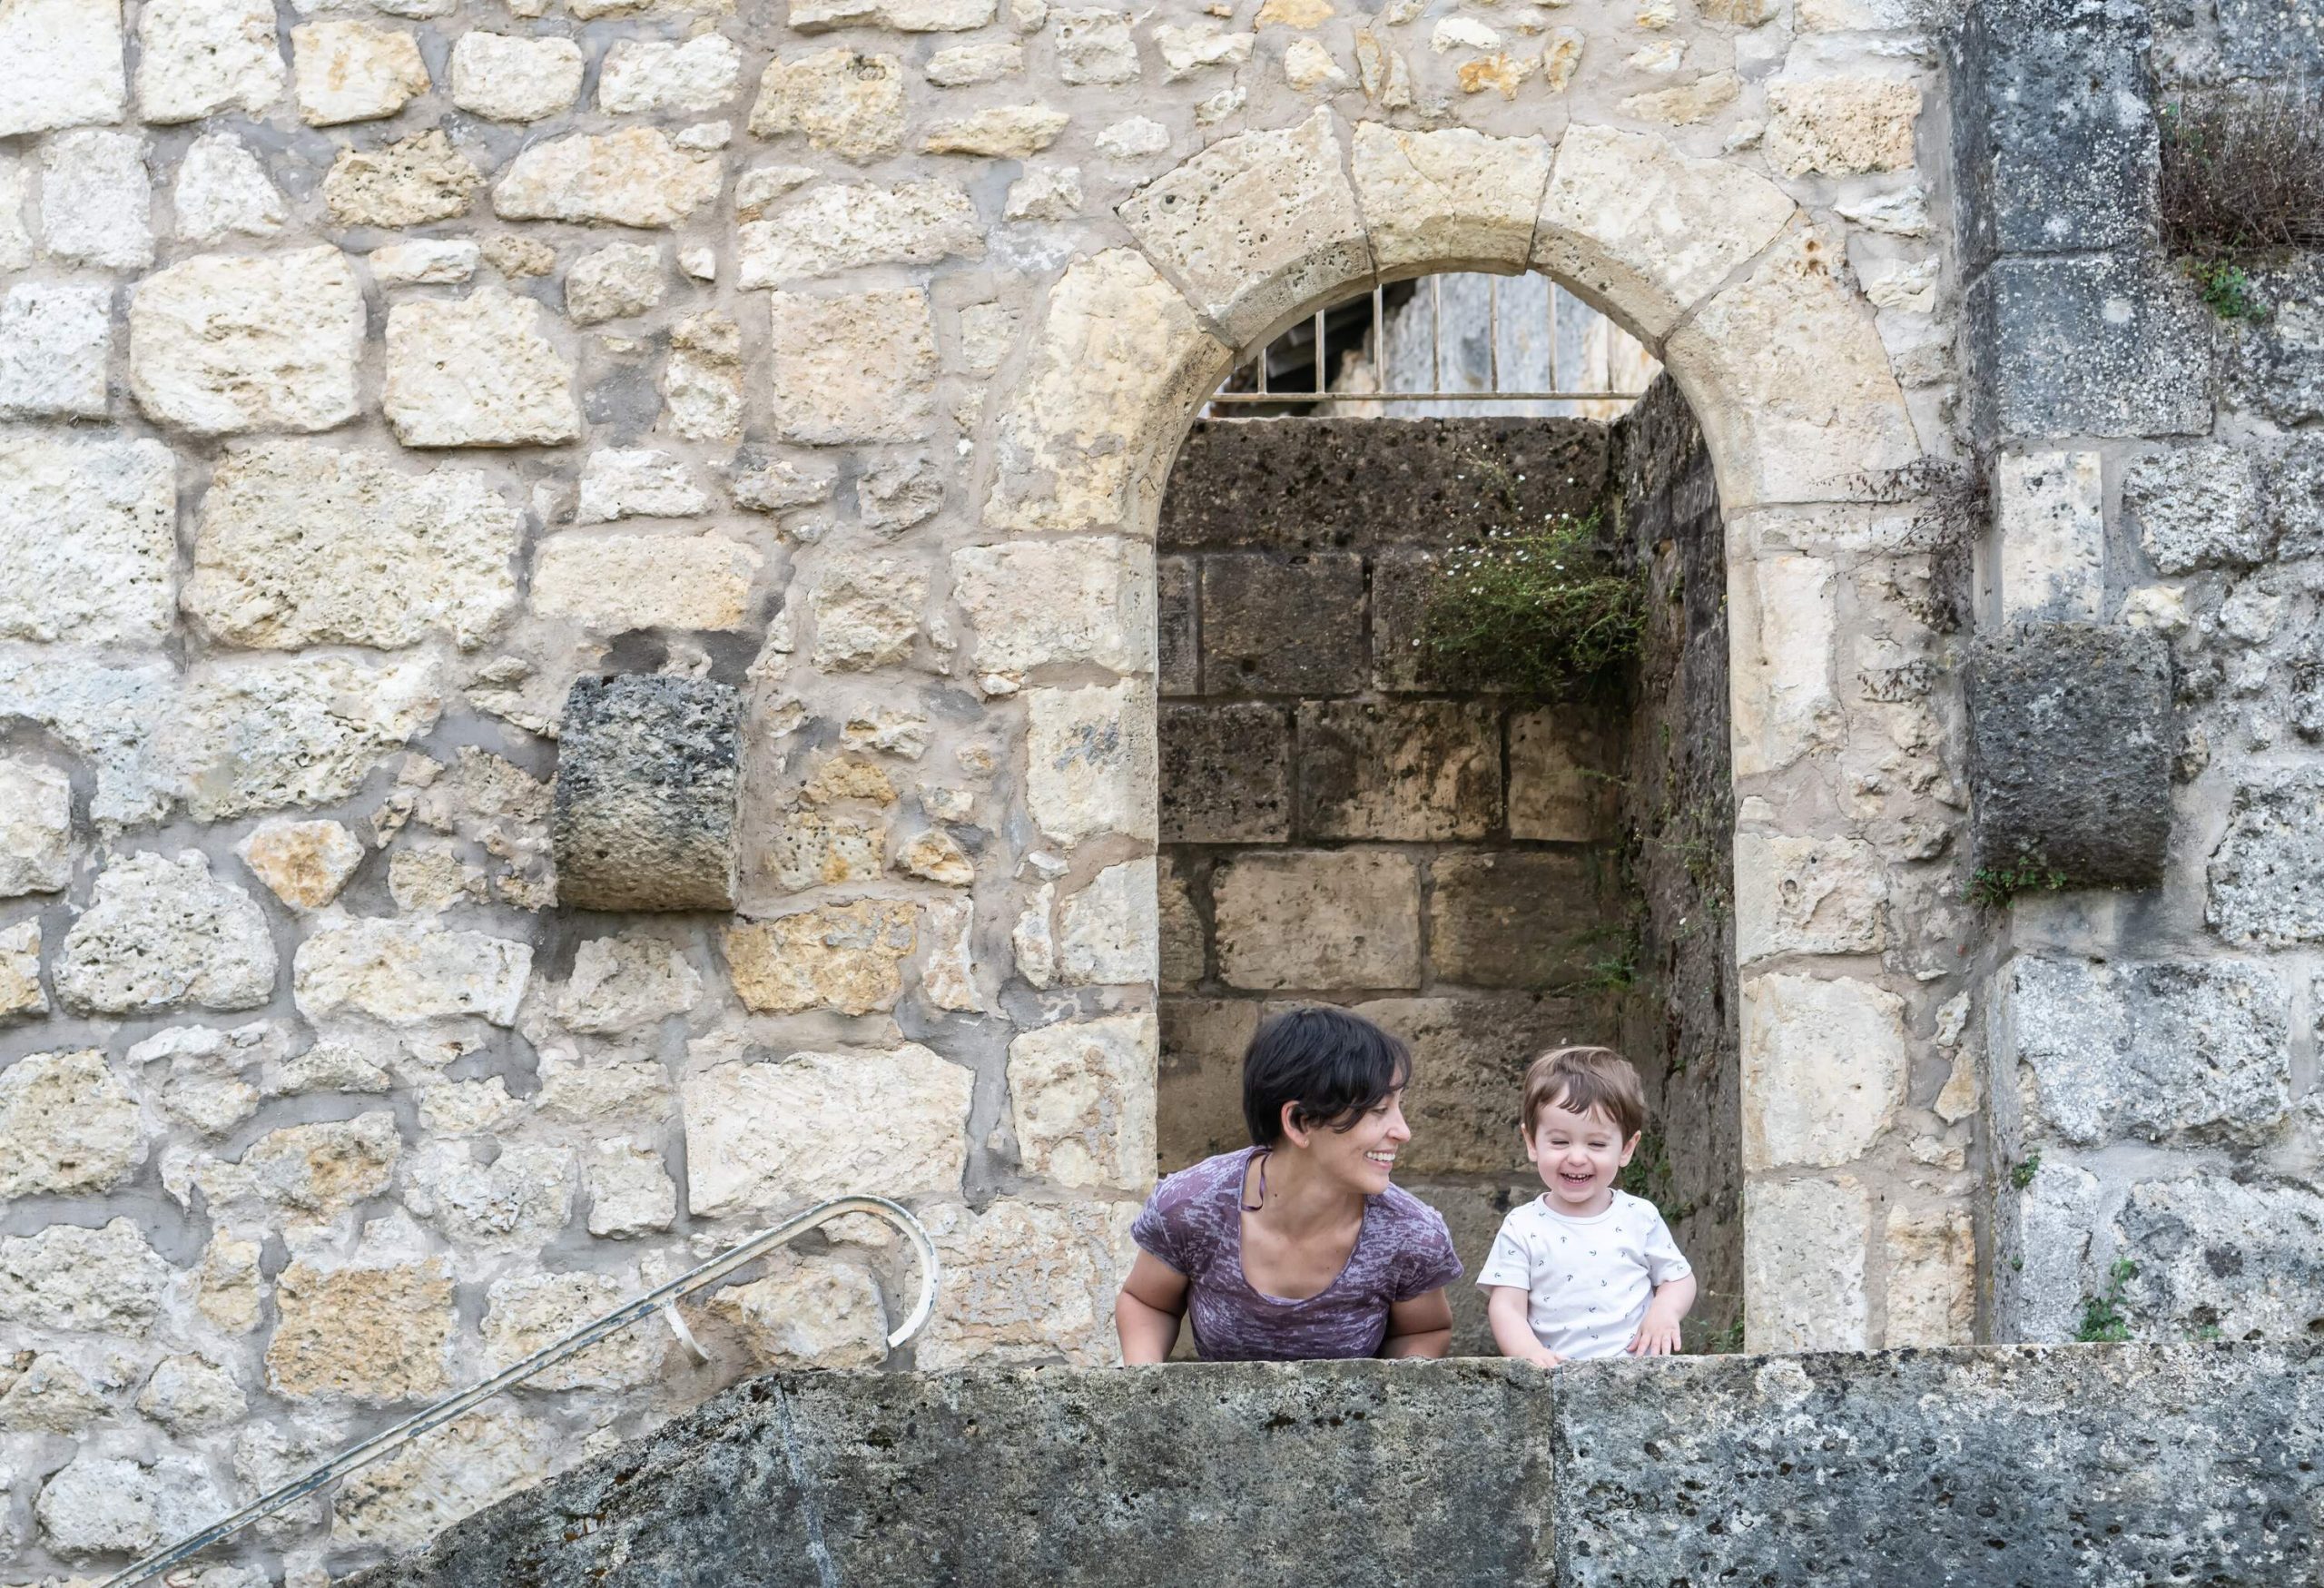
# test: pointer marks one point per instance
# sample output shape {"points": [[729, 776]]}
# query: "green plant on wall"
{"points": [[2240, 185], [2103, 1320], [1995, 886], [1537, 605]]}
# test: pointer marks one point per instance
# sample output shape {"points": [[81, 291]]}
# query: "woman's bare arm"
{"points": [[1421, 1326], [1147, 1313]]}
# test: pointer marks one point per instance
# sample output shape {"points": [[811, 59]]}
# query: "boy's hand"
{"points": [[1542, 1358], [1655, 1336]]}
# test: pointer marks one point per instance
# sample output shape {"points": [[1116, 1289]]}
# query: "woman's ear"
{"points": [[1295, 1129]]}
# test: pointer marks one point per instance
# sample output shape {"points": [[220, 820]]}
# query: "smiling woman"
{"points": [[1298, 1246]]}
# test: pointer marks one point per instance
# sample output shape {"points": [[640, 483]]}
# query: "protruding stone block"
{"points": [[2070, 747], [2095, 345], [648, 772]]}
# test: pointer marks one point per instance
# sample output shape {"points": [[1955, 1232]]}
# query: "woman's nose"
{"points": [[1397, 1130]]}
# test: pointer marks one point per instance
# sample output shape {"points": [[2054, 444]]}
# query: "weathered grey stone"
{"points": [[2267, 875], [867, 612], [66, 1276], [618, 279], [2213, 1253], [476, 371], [702, 381], [260, 735], [88, 540], [1106, 932], [1319, 919], [1560, 783], [2198, 507], [2094, 345], [162, 934], [648, 772], [99, 1506], [300, 545], [319, 1170], [67, 1126], [404, 973], [1404, 772], [1226, 774], [221, 343], [2071, 741], [522, 1197], [776, 1135], [2198, 1049], [64, 63]]}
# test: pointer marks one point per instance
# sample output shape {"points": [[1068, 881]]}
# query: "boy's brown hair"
{"points": [[1586, 1080]]}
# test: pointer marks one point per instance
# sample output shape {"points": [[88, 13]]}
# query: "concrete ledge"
{"points": [[1979, 1467]]}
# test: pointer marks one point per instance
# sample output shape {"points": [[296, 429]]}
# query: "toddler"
{"points": [[1584, 1270]]}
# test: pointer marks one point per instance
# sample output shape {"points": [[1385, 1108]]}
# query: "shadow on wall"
{"points": [[1486, 874]]}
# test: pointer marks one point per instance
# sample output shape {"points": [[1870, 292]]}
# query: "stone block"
{"points": [[2070, 747], [20, 990], [162, 934], [2215, 1253], [1448, 200], [615, 584], [2053, 130], [476, 371], [1651, 230], [300, 546], [1468, 1082], [1804, 1251], [1824, 1070], [1081, 1101], [2094, 345], [849, 104], [1409, 770], [1034, 1282], [868, 612], [106, 1279], [67, 1126], [1807, 896], [448, 1473], [354, 72], [851, 368], [1319, 920], [1530, 919], [55, 340], [88, 540], [1282, 625], [1932, 1283], [1238, 485], [408, 182], [840, 227], [107, 1505], [613, 282], [1107, 932], [97, 198], [1177, 665], [1226, 774], [847, 957], [1840, 125], [2198, 1050], [809, 1312], [64, 64], [647, 777], [1200, 1079], [2267, 875], [407, 972], [522, 1198], [379, 1332], [630, 1192], [620, 983], [1561, 782], [773, 1137], [1402, 661], [223, 191], [524, 1313], [319, 1170], [1089, 757], [222, 343], [634, 177], [651, 75], [1001, 132], [505, 77], [2198, 507], [259, 735], [2050, 514], [702, 380], [187, 1394], [2276, 367], [1087, 439], [1047, 603]]}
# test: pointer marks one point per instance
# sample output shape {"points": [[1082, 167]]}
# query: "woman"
{"points": [[1298, 1246]]}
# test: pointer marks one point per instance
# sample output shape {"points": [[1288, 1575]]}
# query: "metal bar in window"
{"points": [[1471, 396], [1263, 371], [1319, 352], [1550, 298], [1379, 339], [1492, 334], [1437, 331]]}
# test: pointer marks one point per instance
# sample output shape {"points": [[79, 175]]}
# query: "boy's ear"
{"points": [[1632, 1145]]}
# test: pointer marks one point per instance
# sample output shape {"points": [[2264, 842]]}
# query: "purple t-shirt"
{"points": [[1194, 1222]]}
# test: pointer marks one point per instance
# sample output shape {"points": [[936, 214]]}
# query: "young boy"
{"points": [[1584, 1270]]}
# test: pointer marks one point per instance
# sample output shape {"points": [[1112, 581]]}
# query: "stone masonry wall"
{"points": [[1340, 826], [373, 371], [2153, 1096]]}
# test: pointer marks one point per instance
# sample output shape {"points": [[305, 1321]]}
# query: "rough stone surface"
{"points": [[101, 1506], [617, 583], [65, 60], [1804, 1258], [617, 281], [847, 957], [523, 1198], [775, 1136], [1318, 919], [2013, 1436], [648, 773], [853, 368], [1226, 774], [1842, 126], [21, 992], [105, 1278], [2071, 745], [1418, 772], [450, 1472], [1807, 896], [867, 613], [527, 1312], [2191, 1233], [354, 71], [1081, 1101], [67, 1125], [1090, 760], [1824, 1066], [299, 544], [97, 199], [509, 78], [851, 104], [302, 863], [260, 735], [840, 227], [2097, 345], [88, 538], [1038, 604], [809, 1312], [635, 177], [652, 75], [1447, 200], [476, 371], [622, 982], [2155, 1051], [55, 340], [162, 934], [404, 973], [408, 182], [1513, 919], [223, 191], [221, 344]]}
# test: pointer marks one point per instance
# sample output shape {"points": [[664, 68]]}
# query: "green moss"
{"points": [[1994, 886]]}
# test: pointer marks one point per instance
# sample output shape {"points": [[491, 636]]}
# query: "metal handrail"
{"points": [[662, 1299]]}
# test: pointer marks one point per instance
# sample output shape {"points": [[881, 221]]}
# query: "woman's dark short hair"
{"points": [[1332, 1064]]}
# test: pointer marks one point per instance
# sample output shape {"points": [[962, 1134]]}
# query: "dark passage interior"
{"points": [[1486, 874]]}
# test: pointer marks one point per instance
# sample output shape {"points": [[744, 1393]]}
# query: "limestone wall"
{"points": [[1339, 823], [2153, 1049], [370, 374]]}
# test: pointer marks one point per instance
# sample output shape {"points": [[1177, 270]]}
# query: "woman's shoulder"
{"points": [[1205, 1181], [1409, 1213]]}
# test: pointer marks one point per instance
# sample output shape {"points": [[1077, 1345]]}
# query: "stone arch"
{"points": [[1733, 286]]}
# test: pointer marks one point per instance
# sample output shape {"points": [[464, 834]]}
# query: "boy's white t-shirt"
{"points": [[1589, 1281]]}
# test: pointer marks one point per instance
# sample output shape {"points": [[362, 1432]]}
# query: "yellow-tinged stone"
{"points": [[809, 1312], [1449, 199], [1688, 103], [20, 989], [849, 104], [622, 582], [847, 957], [1293, 14], [1932, 1277], [67, 1126], [849, 777], [1502, 71], [303, 863], [1842, 126], [1006, 132], [373, 1334], [936, 856]]}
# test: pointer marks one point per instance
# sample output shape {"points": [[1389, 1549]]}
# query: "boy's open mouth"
{"points": [[1571, 1179]]}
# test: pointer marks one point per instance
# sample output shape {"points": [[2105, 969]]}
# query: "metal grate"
{"points": [[1374, 328]]}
